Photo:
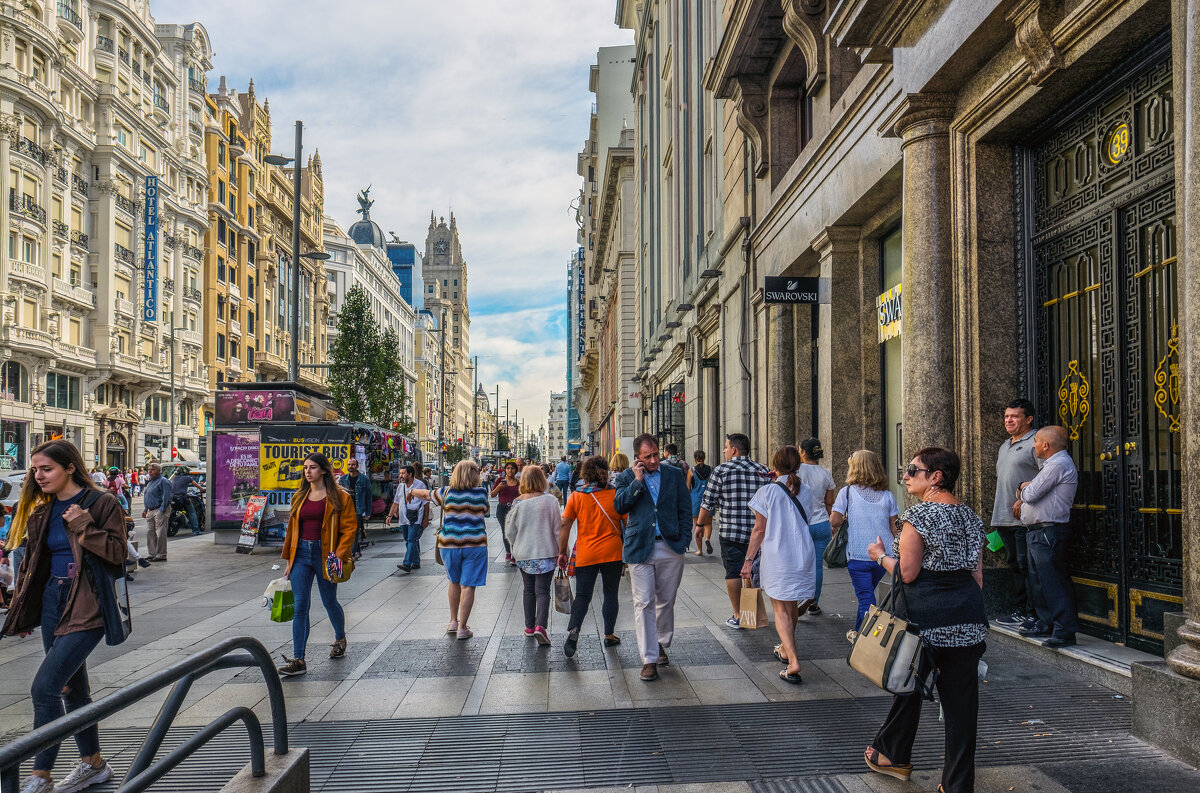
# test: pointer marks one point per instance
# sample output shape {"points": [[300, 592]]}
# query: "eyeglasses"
{"points": [[912, 471]]}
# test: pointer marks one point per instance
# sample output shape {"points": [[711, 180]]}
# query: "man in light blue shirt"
{"points": [[1044, 505], [562, 477]]}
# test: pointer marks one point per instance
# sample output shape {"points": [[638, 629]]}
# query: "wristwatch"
{"points": [[879, 559]]}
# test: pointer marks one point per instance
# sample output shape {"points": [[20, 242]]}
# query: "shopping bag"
{"points": [[283, 606], [995, 542], [753, 611], [563, 599]]}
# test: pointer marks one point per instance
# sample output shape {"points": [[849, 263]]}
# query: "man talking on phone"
{"points": [[659, 507]]}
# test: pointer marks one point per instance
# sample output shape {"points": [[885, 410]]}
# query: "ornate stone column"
{"points": [[839, 353], [781, 379], [927, 370]]}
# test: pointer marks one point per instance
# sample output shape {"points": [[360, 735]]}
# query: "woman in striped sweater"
{"points": [[462, 540]]}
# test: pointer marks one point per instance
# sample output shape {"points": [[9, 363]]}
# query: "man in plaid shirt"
{"points": [[729, 490]]}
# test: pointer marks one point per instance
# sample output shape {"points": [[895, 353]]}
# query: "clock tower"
{"points": [[445, 274]]}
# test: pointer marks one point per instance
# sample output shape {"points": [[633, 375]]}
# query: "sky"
{"points": [[479, 107]]}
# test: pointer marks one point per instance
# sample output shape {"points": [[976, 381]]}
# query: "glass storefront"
{"points": [[14, 445], [890, 338]]}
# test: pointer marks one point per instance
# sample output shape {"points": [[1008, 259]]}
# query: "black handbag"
{"points": [[112, 593], [835, 551]]}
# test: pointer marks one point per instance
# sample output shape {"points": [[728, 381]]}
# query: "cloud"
{"points": [[477, 106]]}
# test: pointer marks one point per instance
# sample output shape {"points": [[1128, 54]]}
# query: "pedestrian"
{"points": [[697, 482], [98, 476], [413, 517], [359, 486], [1016, 462], [939, 555], [562, 476], [866, 509], [788, 563], [674, 459], [321, 523], [532, 532], [729, 490], [180, 484], [617, 464], [115, 484], [135, 482], [656, 500], [506, 491], [157, 512], [597, 551], [462, 540], [1044, 507], [50, 595], [822, 492]]}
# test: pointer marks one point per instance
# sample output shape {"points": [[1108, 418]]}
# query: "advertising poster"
{"points": [[251, 523], [235, 474], [254, 407], [282, 451]]}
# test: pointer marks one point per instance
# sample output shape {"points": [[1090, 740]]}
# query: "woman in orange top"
{"points": [[322, 520], [598, 548]]}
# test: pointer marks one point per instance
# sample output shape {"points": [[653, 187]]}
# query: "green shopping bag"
{"points": [[994, 542], [283, 607]]}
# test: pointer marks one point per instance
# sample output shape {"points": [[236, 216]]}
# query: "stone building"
{"points": [[556, 424], [428, 405], [483, 432], [97, 102], [445, 275], [992, 198]]}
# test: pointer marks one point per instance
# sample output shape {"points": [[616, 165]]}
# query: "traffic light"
{"points": [[460, 441]]}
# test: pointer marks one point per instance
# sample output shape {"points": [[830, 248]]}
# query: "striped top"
{"points": [[462, 517]]}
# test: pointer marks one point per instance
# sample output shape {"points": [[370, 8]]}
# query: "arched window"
{"points": [[14, 382]]}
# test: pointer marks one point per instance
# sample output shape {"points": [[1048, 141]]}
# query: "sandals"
{"points": [[612, 641], [901, 772], [790, 677], [337, 649], [783, 659]]}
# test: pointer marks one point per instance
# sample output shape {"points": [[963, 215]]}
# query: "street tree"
{"points": [[502, 442], [454, 453], [366, 380]]}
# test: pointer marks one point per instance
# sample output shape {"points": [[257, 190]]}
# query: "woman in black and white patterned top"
{"points": [[939, 555]]}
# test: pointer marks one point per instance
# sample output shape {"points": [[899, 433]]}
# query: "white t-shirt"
{"points": [[870, 514], [819, 481], [402, 502], [787, 566]]}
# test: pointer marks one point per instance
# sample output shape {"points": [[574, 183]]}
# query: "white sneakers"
{"points": [[84, 775]]}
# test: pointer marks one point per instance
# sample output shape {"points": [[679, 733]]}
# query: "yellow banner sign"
{"points": [[281, 465], [890, 307]]}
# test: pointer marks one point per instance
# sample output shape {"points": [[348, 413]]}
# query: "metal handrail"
{"points": [[145, 771]]}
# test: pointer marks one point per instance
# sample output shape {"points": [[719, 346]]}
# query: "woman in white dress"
{"points": [[788, 565]]}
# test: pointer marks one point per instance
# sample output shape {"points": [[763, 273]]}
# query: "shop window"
{"points": [[14, 445], [14, 382], [62, 391], [890, 352]]}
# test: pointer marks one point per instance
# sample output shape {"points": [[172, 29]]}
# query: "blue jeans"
{"points": [[821, 535], [62, 677], [865, 576], [308, 565], [412, 557]]}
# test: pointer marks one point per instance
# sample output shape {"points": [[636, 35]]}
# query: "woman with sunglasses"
{"points": [[866, 509], [506, 490], [939, 559]]}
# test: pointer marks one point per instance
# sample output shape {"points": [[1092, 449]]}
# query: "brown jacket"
{"points": [[337, 531], [101, 530]]}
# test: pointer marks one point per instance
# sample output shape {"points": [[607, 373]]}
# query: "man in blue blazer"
{"points": [[656, 499]]}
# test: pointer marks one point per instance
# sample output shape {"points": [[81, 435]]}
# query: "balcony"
{"points": [[235, 365], [78, 184], [31, 150], [25, 206], [162, 108], [125, 204], [235, 291], [137, 69], [235, 328], [120, 360], [76, 294], [80, 239], [192, 294], [197, 85], [193, 252], [125, 307], [28, 337], [123, 56], [61, 230], [122, 253], [194, 128], [193, 383], [237, 145], [80, 353], [191, 337], [169, 285], [104, 44], [60, 174], [28, 272]]}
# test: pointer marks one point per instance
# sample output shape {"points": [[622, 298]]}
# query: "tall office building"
{"points": [[445, 278]]}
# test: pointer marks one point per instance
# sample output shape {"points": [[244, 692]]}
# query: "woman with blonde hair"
{"points": [[462, 540], [532, 532], [866, 509], [322, 522], [616, 464]]}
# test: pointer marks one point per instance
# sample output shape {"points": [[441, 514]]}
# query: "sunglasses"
{"points": [[912, 471]]}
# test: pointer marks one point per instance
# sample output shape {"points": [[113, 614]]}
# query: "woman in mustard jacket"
{"points": [[322, 520]]}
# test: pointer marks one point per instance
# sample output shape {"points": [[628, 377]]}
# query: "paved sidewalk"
{"points": [[377, 719]]}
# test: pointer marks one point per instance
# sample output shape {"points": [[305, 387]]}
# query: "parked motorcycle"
{"points": [[179, 507]]}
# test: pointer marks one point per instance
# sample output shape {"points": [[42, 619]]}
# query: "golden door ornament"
{"points": [[1166, 381], [1073, 405]]}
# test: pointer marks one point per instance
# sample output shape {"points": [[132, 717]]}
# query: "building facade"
{"points": [[445, 278], [428, 406], [408, 265], [105, 178], [577, 341], [556, 427]]}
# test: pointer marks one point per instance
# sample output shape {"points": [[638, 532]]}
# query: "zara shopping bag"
{"points": [[752, 608]]}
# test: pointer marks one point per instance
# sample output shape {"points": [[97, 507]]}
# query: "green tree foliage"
{"points": [[502, 442], [454, 452], [531, 451], [366, 379]]}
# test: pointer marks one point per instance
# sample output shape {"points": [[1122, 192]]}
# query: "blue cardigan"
{"points": [[674, 510]]}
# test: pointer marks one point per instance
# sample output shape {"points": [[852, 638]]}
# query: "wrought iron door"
{"points": [[1100, 240]]}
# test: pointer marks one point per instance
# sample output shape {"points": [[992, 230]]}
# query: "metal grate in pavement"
{"points": [[801, 742]]}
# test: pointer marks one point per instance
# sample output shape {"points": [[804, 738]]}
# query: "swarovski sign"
{"points": [[788, 289]]}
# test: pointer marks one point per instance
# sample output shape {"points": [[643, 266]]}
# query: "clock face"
{"points": [[441, 247]]}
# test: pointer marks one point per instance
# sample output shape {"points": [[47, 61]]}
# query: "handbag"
{"points": [[753, 609], [336, 570], [112, 592], [889, 651], [835, 551], [563, 598], [437, 539]]}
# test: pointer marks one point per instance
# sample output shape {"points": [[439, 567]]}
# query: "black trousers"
{"points": [[585, 585], [502, 515], [958, 691], [1053, 592], [1016, 547]]}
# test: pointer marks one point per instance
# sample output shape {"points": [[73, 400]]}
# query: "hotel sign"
{"points": [[890, 308], [150, 251], [784, 289]]}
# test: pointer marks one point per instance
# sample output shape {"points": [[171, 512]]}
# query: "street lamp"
{"points": [[171, 448], [275, 159]]}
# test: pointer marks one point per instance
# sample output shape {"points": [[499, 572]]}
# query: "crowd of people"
{"points": [[601, 520]]}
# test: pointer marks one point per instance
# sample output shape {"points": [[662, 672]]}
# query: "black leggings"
{"points": [[585, 582], [502, 516]]}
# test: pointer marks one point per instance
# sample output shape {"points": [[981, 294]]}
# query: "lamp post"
{"points": [[277, 160], [441, 386], [171, 448]]}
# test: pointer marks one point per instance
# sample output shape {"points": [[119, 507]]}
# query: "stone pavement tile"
{"points": [[816, 685], [584, 698], [516, 689], [216, 702], [440, 657], [715, 672], [705, 787], [374, 696], [1124, 776], [670, 685], [435, 696], [841, 673], [728, 690]]}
